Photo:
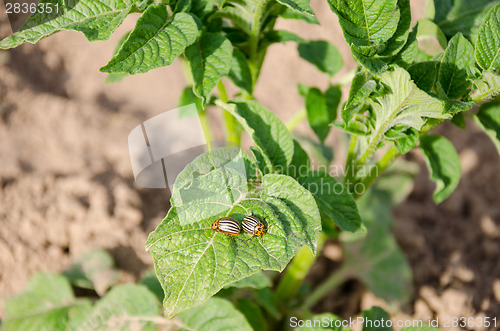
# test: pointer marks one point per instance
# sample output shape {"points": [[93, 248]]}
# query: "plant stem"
{"points": [[350, 159], [233, 131], [202, 114], [205, 126], [381, 165], [187, 71], [326, 287], [296, 271], [296, 119]]}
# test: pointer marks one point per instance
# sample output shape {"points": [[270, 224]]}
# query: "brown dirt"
{"points": [[67, 185]]}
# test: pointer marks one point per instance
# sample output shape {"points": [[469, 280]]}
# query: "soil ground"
{"points": [[67, 185]]}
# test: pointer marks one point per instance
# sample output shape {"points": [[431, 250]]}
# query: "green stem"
{"points": [[187, 71], [350, 159], [202, 114], [381, 165], [297, 270], [326, 287], [205, 126], [233, 131], [296, 119]]}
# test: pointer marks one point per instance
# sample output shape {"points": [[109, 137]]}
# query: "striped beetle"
{"points": [[254, 226], [227, 225]]}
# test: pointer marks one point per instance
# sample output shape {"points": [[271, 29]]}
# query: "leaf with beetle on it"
{"points": [[209, 59], [95, 19], [193, 262], [444, 165], [156, 41]]}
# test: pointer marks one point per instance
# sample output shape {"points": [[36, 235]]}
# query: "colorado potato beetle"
{"points": [[254, 226], [227, 225]]}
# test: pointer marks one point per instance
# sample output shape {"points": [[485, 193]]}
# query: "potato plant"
{"points": [[409, 79]]}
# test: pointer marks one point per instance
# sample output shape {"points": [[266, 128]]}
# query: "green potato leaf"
{"points": [[488, 118], [47, 303], [95, 19], [486, 86], [216, 314], [317, 113], [301, 6], [239, 72], [323, 55], [291, 14], [280, 36], [258, 281], [210, 60], [375, 320], [124, 307], [322, 109], [406, 105], [461, 15], [269, 134], [248, 15], [424, 74], [253, 313], [94, 270], [118, 76], [456, 63], [156, 41], [300, 164], [487, 50], [368, 25], [335, 203], [444, 165], [398, 40]]}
